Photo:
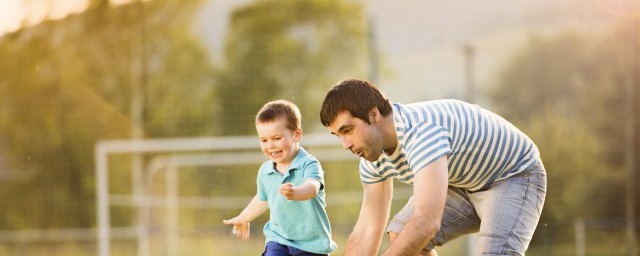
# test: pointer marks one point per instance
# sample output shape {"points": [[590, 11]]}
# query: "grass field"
{"points": [[192, 243]]}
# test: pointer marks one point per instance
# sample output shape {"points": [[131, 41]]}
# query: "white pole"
{"points": [[102, 184], [472, 239], [138, 187], [581, 236], [172, 210]]}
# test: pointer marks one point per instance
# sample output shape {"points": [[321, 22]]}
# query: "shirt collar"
{"points": [[399, 125], [398, 120], [295, 164]]}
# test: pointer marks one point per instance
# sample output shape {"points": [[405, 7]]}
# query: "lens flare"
{"points": [[629, 9]]}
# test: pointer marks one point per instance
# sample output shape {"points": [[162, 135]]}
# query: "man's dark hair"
{"points": [[273, 110], [358, 97]]}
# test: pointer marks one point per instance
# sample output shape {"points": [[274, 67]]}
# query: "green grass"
{"points": [[193, 243]]}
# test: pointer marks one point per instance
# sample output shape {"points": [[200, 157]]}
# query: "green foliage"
{"points": [[287, 49], [67, 84], [577, 173], [569, 94], [548, 73]]}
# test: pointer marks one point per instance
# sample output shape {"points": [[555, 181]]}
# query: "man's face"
{"points": [[362, 139]]}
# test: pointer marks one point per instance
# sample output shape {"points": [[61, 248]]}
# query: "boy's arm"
{"points": [[254, 209], [374, 213], [309, 189], [241, 222], [429, 197]]}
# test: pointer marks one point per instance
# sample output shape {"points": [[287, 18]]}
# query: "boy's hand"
{"points": [[240, 227], [287, 190]]}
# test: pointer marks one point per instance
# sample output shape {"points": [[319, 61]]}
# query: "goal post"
{"points": [[173, 161]]}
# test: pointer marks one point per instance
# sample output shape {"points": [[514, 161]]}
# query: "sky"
{"points": [[11, 15], [421, 40], [14, 12]]}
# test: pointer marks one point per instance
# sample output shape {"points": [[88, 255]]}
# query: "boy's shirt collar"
{"points": [[295, 163]]}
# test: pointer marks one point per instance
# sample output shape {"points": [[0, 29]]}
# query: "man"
{"points": [[471, 171]]}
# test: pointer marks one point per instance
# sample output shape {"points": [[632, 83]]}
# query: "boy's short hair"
{"points": [[357, 97], [273, 110]]}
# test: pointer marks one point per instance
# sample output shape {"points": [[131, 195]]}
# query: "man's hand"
{"points": [[240, 227], [374, 213], [287, 190], [430, 186]]}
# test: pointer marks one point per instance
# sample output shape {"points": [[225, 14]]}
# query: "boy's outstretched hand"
{"points": [[240, 227], [287, 190]]}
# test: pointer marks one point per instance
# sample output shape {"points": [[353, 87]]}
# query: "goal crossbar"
{"points": [[105, 148]]}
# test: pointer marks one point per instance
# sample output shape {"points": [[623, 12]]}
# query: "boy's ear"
{"points": [[297, 135]]}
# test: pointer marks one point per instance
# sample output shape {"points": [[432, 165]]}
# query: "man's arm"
{"points": [[309, 189], [367, 233], [429, 197]]}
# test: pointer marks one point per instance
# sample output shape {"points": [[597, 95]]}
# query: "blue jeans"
{"points": [[505, 215], [278, 249]]}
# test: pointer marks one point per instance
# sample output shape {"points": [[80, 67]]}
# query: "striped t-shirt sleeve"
{"points": [[426, 142], [368, 173]]}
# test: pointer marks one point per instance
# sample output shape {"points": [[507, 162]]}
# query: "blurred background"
{"points": [[126, 127]]}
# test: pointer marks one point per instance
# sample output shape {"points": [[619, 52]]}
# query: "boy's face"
{"points": [[277, 142]]}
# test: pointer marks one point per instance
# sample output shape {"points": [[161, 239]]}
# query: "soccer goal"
{"points": [[169, 156]]}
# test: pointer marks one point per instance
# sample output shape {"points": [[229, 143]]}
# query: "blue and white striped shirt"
{"points": [[481, 146]]}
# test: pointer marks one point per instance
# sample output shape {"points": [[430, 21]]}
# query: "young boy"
{"points": [[291, 185]]}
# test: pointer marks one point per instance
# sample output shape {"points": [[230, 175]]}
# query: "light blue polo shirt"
{"points": [[301, 224]]}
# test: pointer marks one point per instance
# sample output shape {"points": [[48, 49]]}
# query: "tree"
{"points": [[67, 84], [287, 49], [567, 93]]}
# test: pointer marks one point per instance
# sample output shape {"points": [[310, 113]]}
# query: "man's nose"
{"points": [[345, 143]]}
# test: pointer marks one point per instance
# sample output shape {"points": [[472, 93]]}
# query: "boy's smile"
{"points": [[278, 142]]}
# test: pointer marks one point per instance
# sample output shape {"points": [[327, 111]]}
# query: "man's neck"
{"points": [[390, 138]]}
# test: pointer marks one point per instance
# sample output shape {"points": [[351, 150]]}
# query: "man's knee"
{"points": [[494, 244], [425, 252]]}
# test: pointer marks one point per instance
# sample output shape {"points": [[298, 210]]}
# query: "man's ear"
{"points": [[374, 115]]}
